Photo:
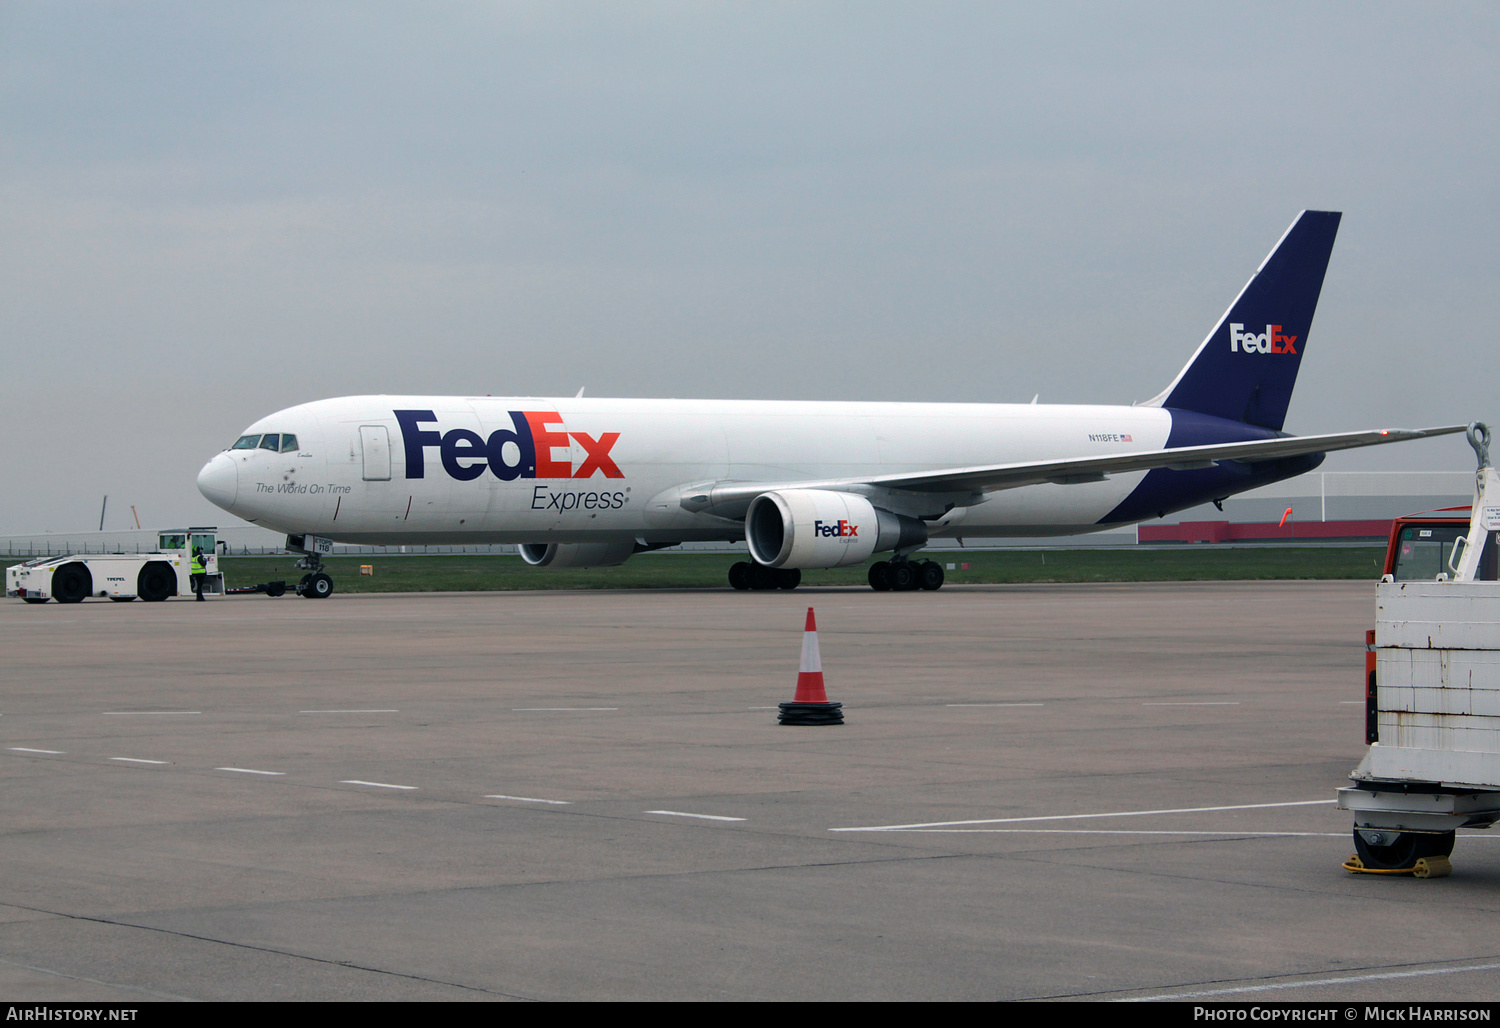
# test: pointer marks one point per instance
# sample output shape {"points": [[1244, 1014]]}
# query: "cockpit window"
{"points": [[246, 442], [288, 442], [271, 441]]}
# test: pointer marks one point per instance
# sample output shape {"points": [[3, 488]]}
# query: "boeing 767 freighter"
{"points": [[588, 482]]}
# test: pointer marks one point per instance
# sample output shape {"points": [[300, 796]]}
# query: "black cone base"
{"points": [[811, 714]]}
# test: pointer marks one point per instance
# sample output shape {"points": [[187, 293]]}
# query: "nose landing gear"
{"points": [[316, 584]]}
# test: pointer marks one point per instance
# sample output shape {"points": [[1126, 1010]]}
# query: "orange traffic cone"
{"points": [[811, 706]]}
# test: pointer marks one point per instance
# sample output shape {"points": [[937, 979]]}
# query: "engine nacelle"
{"points": [[819, 528], [578, 555]]}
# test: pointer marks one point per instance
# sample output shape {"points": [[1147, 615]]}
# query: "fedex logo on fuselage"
{"points": [[840, 529], [525, 450], [1272, 340]]}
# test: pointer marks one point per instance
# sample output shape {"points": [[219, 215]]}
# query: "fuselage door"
{"points": [[375, 440]]}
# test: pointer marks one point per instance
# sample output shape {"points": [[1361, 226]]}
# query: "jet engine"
{"points": [[578, 555], [820, 528]]}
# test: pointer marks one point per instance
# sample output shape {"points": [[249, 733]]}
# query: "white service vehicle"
{"points": [[1432, 702], [167, 571]]}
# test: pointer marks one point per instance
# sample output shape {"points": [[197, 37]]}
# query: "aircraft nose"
{"points": [[219, 481]]}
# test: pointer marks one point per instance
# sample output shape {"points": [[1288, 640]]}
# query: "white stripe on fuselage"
{"points": [[663, 445]]}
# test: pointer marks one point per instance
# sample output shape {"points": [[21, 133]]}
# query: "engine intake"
{"points": [[820, 528], [578, 555]]}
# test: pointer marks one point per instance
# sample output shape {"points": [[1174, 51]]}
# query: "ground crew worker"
{"points": [[199, 572]]}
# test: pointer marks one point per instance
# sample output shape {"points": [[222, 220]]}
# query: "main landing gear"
{"points": [[899, 575], [746, 575], [902, 575]]}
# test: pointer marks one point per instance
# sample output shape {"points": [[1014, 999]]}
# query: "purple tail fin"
{"points": [[1245, 369]]}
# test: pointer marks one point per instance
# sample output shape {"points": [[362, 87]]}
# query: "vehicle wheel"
{"points": [[880, 576], [788, 578], [276, 589], [903, 576], [155, 582], [739, 575], [319, 586], [1408, 848], [71, 583], [930, 575], [761, 577], [35, 599]]}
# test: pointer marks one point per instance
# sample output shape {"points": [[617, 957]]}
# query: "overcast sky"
{"points": [[214, 211]]}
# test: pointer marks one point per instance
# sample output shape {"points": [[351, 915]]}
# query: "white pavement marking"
{"points": [[370, 711], [249, 771], [1077, 817], [1351, 980], [136, 713], [994, 704], [706, 817], [1109, 831], [27, 749], [531, 799], [1191, 703], [533, 709], [138, 760], [377, 785]]}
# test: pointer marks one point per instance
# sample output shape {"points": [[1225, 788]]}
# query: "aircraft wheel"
{"points": [[319, 586], [302, 584], [930, 575], [1408, 848], [788, 578], [739, 575], [880, 576], [71, 583], [35, 599], [154, 583], [762, 577], [903, 576]]}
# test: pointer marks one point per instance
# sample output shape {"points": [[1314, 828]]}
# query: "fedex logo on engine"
{"points": [[1272, 340], [840, 529], [525, 450]]}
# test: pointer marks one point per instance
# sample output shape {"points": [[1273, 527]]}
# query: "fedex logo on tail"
{"points": [[525, 450], [1272, 340], [840, 529]]}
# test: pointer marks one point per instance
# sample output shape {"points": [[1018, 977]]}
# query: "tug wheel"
{"points": [[155, 582], [71, 583]]}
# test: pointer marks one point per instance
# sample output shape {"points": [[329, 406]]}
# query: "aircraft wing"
{"points": [[729, 499]]}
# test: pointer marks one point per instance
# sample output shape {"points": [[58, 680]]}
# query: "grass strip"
{"points": [[464, 572]]}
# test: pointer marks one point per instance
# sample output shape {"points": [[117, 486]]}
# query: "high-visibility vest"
{"points": [[198, 566]]}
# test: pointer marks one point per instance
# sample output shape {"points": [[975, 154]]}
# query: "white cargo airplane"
{"points": [[587, 482]]}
